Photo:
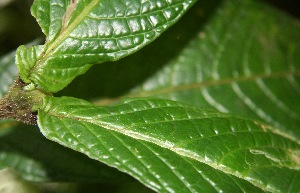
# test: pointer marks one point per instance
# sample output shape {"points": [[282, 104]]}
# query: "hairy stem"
{"points": [[21, 103]]}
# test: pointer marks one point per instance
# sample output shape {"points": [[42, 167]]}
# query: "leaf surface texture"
{"points": [[244, 61], [37, 159], [156, 140], [85, 32]]}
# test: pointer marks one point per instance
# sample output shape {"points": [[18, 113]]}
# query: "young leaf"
{"points": [[24, 149], [171, 147], [8, 69], [85, 32], [245, 61]]}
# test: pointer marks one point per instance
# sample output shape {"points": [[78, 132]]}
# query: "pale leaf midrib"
{"points": [[209, 114], [140, 137], [196, 85], [122, 129], [67, 30], [209, 83], [64, 34]]}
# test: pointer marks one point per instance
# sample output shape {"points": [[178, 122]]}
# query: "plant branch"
{"points": [[21, 103]]}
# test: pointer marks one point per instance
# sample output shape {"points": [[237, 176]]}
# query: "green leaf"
{"points": [[81, 33], [8, 69], [35, 158], [244, 61], [113, 79], [171, 147], [8, 72]]}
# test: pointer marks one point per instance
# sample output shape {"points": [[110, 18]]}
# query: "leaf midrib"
{"points": [[121, 129], [64, 34], [209, 83], [182, 154], [199, 85], [66, 31]]}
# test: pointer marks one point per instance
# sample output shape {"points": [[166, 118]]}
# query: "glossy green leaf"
{"points": [[244, 61], [85, 32], [113, 79], [171, 147], [35, 158]]}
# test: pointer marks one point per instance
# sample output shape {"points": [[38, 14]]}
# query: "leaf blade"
{"points": [[95, 32], [244, 61], [149, 121], [8, 69], [36, 159]]}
